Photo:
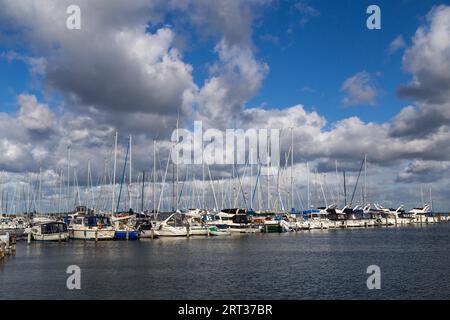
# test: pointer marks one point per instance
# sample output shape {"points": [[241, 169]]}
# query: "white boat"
{"points": [[14, 226], [394, 216], [197, 227], [91, 227], [422, 215], [315, 219], [173, 226], [48, 229], [215, 231], [235, 220]]}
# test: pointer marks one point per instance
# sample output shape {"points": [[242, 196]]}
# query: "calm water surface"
{"points": [[331, 264]]}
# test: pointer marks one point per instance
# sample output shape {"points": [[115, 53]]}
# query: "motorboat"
{"points": [[235, 220], [422, 215], [392, 216], [91, 227], [314, 219], [175, 225], [48, 229]]}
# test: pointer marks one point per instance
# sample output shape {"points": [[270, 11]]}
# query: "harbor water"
{"points": [[321, 264]]}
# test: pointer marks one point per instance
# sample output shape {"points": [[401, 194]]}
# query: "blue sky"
{"points": [[308, 63]]}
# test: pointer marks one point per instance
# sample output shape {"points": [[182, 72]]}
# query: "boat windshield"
{"points": [[50, 228], [93, 221]]}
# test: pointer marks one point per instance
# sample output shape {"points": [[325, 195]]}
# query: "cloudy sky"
{"points": [[137, 66]]}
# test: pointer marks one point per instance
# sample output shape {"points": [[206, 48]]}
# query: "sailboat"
{"points": [[122, 223]]}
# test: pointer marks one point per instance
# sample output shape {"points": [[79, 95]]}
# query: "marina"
{"points": [[224, 150]]}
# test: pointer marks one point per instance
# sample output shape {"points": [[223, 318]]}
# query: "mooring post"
{"points": [[29, 238], [96, 235], [13, 245], [188, 228], [2, 250]]}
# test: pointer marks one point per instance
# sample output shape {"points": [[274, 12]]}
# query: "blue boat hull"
{"points": [[122, 235]]}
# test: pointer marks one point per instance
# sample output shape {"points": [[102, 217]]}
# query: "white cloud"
{"points": [[236, 77], [306, 11], [34, 116], [428, 59], [360, 89], [397, 44]]}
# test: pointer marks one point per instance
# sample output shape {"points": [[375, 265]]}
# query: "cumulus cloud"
{"points": [[428, 60], [128, 71], [236, 77], [230, 20], [420, 121], [360, 89], [423, 171], [34, 116]]}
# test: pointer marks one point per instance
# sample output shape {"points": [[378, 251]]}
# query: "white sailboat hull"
{"points": [[169, 231], [92, 234], [198, 231], [63, 236]]}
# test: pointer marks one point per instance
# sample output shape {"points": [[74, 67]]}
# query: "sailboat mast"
{"points": [[203, 176], [154, 177], [345, 190], [68, 178], [307, 184], [250, 195], [143, 189], [421, 196], [129, 179], [431, 201], [267, 173], [1, 193], [40, 190], [114, 174], [337, 185], [365, 180], [292, 169], [60, 191], [176, 172], [88, 188]]}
